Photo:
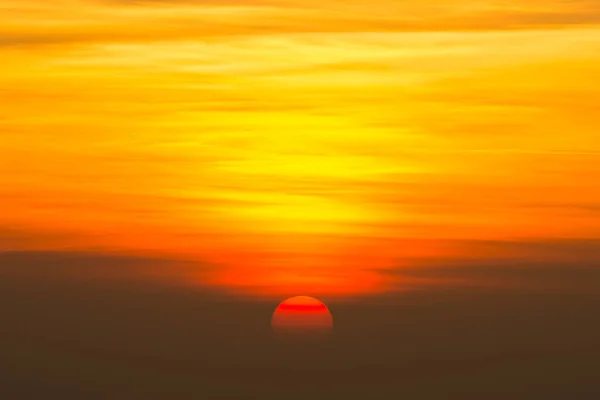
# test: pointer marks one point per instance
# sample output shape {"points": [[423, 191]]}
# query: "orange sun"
{"points": [[302, 314]]}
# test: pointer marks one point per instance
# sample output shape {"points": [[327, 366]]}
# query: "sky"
{"points": [[171, 170], [302, 145]]}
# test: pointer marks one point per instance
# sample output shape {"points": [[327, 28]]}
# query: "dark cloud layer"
{"points": [[564, 266], [103, 339], [518, 275], [76, 267]]}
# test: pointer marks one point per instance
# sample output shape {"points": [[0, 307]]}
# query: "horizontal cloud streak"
{"points": [[78, 267], [34, 22]]}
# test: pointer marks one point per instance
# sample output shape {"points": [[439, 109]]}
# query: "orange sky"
{"points": [[299, 144]]}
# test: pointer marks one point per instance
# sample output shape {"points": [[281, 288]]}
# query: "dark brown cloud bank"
{"points": [[118, 338]]}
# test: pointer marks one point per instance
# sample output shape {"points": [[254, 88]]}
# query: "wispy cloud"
{"points": [[96, 267], [567, 266], [36, 22]]}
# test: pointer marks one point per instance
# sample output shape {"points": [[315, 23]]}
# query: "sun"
{"points": [[302, 315]]}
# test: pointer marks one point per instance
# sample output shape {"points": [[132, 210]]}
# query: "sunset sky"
{"points": [[339, 147]]}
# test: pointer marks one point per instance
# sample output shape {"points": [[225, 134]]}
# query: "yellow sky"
{"points": [[298, 139]]}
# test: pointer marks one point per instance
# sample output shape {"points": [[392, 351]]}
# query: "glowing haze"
{"points": [[294, 145]]}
